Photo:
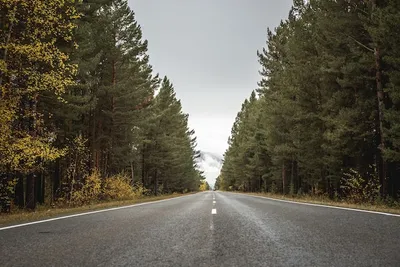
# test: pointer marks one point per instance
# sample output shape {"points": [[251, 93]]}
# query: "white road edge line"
{"points": [[88, 213], [214, 211], [324, 206]]}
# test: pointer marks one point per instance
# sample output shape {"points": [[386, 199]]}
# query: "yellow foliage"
{"points": [[32, 62], [34, 43], [7, 190], [203, 186], [118, 187], [93, 188], [90, 191], [359, 189], [139, 190]]}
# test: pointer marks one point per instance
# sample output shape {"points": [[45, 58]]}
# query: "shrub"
{"points": [[7, 190], [273, 189], [89, 191], [291, 189], [94, 188], [358, 189], [203, 186], [300, 191], [118, 187], [139, 190], [160, 189]]}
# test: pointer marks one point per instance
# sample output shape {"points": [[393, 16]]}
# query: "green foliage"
{"points": [[7, 191], [77, 98], [327, 101], [273, 189], [77, 155], [169, 147], [139, 190], [31, 63], [204, 186], [291, 189], [217, 185], [358, 189]]}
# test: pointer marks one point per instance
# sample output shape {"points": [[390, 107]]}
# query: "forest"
{"points": [[325, 117], [83, 116]]}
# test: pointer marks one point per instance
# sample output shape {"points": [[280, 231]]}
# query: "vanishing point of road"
{"points": [[208, 229]]}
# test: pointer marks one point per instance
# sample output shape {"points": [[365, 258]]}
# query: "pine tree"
{"points": [[328, 102], [78, 100], [170, 153], [125, 88]]}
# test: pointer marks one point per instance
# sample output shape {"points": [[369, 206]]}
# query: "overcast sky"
{"points": [[208, 50]]}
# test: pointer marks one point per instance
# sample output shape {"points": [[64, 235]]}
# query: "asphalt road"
{"points": [[243, 231]]}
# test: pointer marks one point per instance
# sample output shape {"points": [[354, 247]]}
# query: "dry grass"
{"points": [[45, 212], [328, 202]]}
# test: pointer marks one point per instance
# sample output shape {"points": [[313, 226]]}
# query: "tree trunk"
{"points": [[283, 178], [43, 189], [132, 173], [143, 166], [296, 176], [292, 178], [114, 82], [31, 183], [165, 186], [381, 107], [97, 146], [30, 192], [56, 180], [19, 191], [155, 182], [91, 133], [105, 163], [110, 162], [39, 187]]}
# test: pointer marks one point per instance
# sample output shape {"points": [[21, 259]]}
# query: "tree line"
{"points": [[325, 118], [78, 96]]}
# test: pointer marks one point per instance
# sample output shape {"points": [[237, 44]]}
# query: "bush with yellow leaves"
{"points": [[7, 190], [139, 190], [360, 189], [89, 191], [93, 188], [204, 186], [118, 188]]}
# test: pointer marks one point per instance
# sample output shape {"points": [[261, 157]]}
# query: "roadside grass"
{"points": [[395, 208], [46, 212]]}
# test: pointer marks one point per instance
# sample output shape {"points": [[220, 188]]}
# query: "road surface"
{"points": [[208, 229]]}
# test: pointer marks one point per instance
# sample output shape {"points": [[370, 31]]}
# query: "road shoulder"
{"points": [[46, 213], [384, 210]]}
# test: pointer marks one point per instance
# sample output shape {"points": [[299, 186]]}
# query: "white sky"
{"points": [[208, 49]]}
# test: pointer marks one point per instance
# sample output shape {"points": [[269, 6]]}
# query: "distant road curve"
{"points": [[208, 229]]}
